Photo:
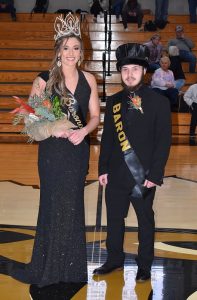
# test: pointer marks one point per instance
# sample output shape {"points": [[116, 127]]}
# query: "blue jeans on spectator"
{"points": [[192, 10], [188, 57], [193, 123], [171, 94], [117, 8], [161, 9], [179, 83]]}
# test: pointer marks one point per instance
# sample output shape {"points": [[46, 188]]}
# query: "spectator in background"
{"points": [[155, 48], [104, 4], [163, 81], [185, 46], [117, 6], [190, 98], [176, 67], [132, 13], [96, 9], [8, 7], [192, 10], [161, 11]]}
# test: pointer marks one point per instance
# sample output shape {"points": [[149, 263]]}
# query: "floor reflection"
{"points": [[119, 285], [173, 276], [61, 291]]}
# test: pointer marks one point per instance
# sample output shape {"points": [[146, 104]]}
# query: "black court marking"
{"points": [[10, 237], [6, 265], [61, 291], [36, 187], [186, 245]]}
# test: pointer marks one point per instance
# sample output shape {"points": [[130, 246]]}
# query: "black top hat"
{"points": [[132, 53]]}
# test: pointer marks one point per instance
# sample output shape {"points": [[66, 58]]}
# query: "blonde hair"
{"points": [[56, 80], [173, 51]]}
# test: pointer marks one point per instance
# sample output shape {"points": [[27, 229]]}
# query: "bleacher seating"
{"points": [[26, 48]]}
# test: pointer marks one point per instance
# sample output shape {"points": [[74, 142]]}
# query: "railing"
{"points": [[106, 57]]}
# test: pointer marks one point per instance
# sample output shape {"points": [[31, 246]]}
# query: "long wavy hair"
{"points": [[56, 82]]}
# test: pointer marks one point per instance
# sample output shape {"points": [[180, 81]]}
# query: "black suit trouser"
{"points": [[116, 226]]}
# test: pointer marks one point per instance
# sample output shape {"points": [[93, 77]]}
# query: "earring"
{"points": [[59, 63], [79, 63]]}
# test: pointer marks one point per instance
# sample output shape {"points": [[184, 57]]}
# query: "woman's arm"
{"points": [[38, 87]]}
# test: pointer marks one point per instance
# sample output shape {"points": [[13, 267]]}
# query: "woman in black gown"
{"points": [[59, 253]]}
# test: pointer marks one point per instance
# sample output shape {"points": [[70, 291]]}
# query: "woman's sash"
{"points": [[130, 157], [74, 112]]}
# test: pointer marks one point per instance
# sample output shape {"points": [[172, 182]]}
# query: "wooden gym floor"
{"points": [[174, 272]]}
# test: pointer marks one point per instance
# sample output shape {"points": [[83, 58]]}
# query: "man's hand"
{"points": [[103, 179], [149, 184]]}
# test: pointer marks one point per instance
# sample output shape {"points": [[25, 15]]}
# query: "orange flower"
{"points": [[47, 103], [136, 103]]}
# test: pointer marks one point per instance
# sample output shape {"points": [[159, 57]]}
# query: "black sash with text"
{"points": [[129, 154], [74, 112]]}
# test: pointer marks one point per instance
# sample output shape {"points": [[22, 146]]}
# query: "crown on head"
{"points": [[65, 27]]}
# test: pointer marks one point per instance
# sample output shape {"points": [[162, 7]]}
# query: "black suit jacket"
{"points": [[149, 134]]}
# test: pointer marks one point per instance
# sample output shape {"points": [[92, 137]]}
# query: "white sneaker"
{"points": [[126, 29]]}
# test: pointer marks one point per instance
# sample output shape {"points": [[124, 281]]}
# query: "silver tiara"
{"points": [[68, 26]]}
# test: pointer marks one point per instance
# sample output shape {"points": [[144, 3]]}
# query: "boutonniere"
{"points": [[135, 103]]}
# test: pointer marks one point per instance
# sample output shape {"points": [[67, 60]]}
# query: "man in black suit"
{"points": [[134, 150]]}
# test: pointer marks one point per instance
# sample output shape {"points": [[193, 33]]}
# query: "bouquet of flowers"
{"points": [[42, 117]]}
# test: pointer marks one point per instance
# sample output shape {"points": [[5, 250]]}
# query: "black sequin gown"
{"points": [[59, 253]]}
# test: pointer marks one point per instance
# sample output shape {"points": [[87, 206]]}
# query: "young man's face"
{"points": [[156, 41], [132, 75]]}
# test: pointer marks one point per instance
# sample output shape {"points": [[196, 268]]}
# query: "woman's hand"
{"points": [[61, 133], [77, 136], [169, 85]]}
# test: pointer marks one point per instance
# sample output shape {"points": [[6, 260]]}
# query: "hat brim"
{"points": [[132, 61]]}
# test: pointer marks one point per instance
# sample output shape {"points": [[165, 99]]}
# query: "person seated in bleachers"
{"points": [[8, 6], [190, 97], [117, 6], [155, 48], [96, 9], [132, 13], [104, 4], [185, 46], [41, 7], [163, 82], [192, 10], [161, 13], [176, 67]]}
